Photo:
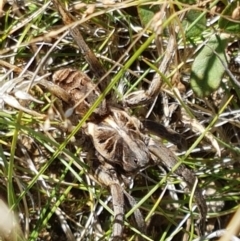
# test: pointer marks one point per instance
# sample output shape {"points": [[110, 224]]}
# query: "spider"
{"points": [[122, 143]]}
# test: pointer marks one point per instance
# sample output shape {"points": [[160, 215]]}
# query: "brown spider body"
{"points": [[116, 136], [122, 144]]}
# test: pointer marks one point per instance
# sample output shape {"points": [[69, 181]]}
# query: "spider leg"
{"points": [[137, 214], [106, 175], [55, 89], [165, 156], [165, 133], [142, 97], [118, 208]]}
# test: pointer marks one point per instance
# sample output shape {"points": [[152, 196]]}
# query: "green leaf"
{"points": [[32, 7], [146, 13], [207, 69], [198, 27], [226, 21]]}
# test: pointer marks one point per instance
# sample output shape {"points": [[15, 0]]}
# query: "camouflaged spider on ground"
{"points": [[122, 143]]}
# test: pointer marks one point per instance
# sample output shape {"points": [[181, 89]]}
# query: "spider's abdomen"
{"points": [[82, 92]]}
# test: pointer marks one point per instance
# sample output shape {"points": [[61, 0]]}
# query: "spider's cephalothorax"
{"points": [[118, 144], [122, 144]]}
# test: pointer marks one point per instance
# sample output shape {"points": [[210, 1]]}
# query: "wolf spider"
{"points": [[122, 142]]}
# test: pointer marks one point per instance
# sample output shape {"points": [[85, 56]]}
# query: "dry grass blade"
{"points": [[90, 57]]}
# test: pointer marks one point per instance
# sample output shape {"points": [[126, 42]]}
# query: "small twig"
{"points": [[90, 57]]}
